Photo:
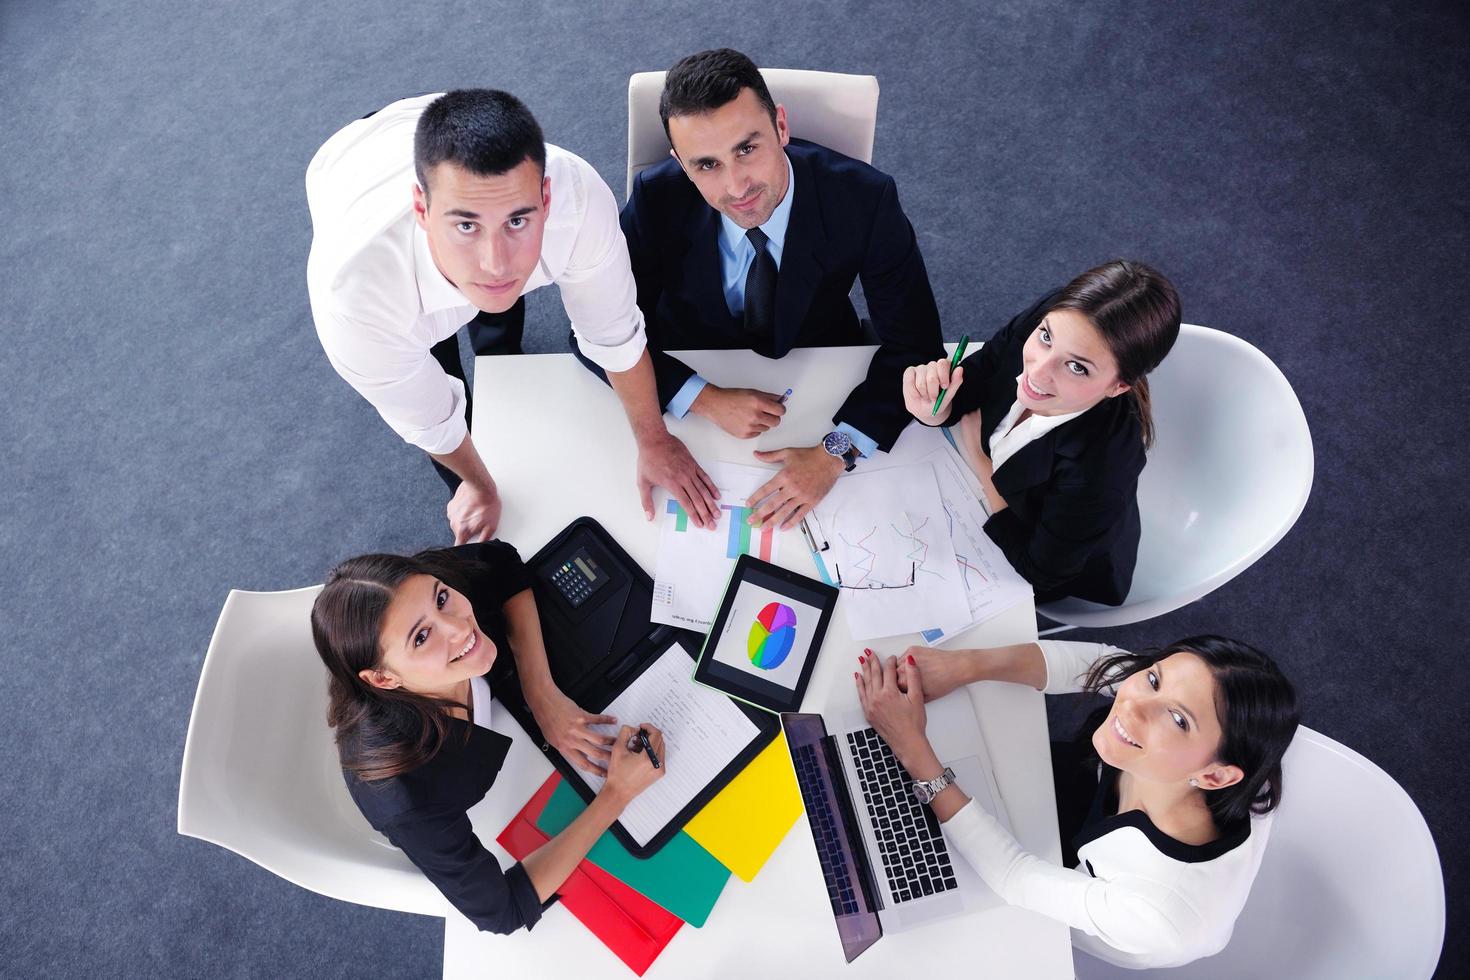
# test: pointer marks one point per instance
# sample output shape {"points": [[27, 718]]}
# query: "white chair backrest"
{"points": [[260, 774], [1350, 885], [1228, 476], [838, 111]]}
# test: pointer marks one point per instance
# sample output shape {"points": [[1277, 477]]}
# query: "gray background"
{"points": [[171, 428]]}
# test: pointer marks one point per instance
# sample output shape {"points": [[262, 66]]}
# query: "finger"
{"points": [[699, 486], [862, 689], [771, 455], [915, 679], [801, 511], [766, 489], [786, 514], [943, 372], [625, 733], [580, 761], [910, 384], [600, 756], [600, 720], [645, 493], [709, 484], [595, 739], [767, 510], [890, 672], [872, 670], [693, 506]]}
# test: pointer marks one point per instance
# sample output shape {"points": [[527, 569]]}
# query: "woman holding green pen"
{"points": [[1054, 418]]}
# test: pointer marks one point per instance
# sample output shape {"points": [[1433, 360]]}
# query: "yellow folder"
{"points": [[743, 825]]}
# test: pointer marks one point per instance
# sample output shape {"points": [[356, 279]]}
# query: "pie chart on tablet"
{"points": [[771, 636]]}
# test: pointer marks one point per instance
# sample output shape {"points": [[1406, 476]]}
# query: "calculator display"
{"points": [[578, 577]]}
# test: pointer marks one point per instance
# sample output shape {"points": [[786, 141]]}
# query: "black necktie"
{"points": [[760, 288]]}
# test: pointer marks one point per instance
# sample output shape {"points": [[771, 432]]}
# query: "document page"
{"points": [[703, 732]]}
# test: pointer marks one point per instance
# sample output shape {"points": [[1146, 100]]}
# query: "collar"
{"points": [[435, 292], [1039, 424], [732, 236]]}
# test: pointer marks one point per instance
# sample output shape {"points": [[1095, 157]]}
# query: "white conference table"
{"points": [[559, 446]]}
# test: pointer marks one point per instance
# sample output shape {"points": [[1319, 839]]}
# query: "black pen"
{"points": [[645, 745]]}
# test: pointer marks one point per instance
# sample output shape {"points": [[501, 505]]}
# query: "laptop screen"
{"points": [[834, 831]]}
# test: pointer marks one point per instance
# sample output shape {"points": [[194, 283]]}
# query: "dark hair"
{"points": [[485, 131], [1256, 706], [1136, 310], [380, 733], [705, 81]]}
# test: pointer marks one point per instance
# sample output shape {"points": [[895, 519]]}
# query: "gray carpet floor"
{"points": [[171, 428]]}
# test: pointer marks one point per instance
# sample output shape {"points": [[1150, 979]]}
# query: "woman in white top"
{"points": [[1054, 419], [1166, 817]]}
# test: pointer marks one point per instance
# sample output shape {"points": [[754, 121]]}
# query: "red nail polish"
{"points": [[860, 659], [911, 660]]}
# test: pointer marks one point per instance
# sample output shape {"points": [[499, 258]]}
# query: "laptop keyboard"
{"points": [[909, 839], [826, 833]]}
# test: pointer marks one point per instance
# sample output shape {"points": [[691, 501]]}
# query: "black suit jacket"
{"points": [[846, 224], [424, 812], [1070, 526]]}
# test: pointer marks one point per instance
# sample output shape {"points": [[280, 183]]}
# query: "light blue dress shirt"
{"points": [[736, 255]]}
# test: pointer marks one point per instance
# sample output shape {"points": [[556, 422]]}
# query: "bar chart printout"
{"points": [[694, 563]]}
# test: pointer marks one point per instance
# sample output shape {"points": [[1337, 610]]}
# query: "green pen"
{"points": [[959, 353]]}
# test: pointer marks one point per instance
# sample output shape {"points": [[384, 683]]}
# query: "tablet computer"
{"points": [[766, 635]]}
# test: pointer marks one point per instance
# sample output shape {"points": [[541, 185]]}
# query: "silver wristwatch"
{"points": [[926, 789]]}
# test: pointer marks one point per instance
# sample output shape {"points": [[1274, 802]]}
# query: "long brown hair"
{"points": [[380, 733], [1136, 309]]}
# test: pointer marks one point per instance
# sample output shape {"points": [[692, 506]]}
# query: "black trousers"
{"points": [[490, 333]]}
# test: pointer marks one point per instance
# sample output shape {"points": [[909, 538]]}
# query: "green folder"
{"points": [[682, 877]]}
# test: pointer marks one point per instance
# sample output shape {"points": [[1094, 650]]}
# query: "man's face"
{"points": [[734, 156], [485, 232]]}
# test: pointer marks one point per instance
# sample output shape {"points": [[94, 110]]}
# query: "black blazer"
{"points": [[846, 224], [1070, 526], [423, 812]]}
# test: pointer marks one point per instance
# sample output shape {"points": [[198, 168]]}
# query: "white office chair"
{"points": [[1350, 885], [1228, 476], [260, 773], [835, 110]]}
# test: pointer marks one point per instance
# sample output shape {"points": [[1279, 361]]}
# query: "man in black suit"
{"points": [[749, 239]]}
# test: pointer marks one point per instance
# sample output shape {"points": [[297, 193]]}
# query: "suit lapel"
{"points": [[1028, 466], [702, 265], [801, 266]]}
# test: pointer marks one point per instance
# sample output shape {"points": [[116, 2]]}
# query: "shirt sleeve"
{"points": [[444, 847], [864, 444], [1133, 914], [425, 406], [679, 405], [597, 286], [1068, 661], [1075, 518]]}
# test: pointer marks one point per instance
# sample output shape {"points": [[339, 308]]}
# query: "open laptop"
{"points": [[885, 861]]}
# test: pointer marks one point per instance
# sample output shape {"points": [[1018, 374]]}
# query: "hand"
{"points": [[630, 773], [566, 727], [943, 671], [664, 461], [474, 512], [921, 386], [895, 711], [743, 412], [802, 483], [971, 427]]}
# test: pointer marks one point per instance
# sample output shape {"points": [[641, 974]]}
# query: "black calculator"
{"points": [[578, 577]]}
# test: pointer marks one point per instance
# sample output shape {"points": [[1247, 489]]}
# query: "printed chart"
{"points": [[771, 636], [694, 563]]}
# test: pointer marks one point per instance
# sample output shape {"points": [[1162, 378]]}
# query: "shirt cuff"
{"points": [[523, 896], [864, 445], [680, 404], [616, 358]]}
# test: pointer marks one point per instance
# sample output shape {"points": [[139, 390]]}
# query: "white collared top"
{"points": [[1008, 437], [380, 302]]}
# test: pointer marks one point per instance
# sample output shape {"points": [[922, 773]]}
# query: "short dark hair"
{"points": [[1136, 309], [705, 81], [1256, 705], [485, 131]]}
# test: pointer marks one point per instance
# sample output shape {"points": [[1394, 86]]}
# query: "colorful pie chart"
{"points": [[771, 636]]}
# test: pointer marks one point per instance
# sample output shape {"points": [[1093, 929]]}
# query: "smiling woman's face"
{"points": [[1068, 366], [1163, 726], [430, 642]]}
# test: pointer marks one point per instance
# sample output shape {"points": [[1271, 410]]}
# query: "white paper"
{"points": [[991, 584], [703, 733], [884, 529], [695, 564]]}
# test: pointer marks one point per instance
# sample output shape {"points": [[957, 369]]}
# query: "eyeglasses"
{"points": [[913, 571], [817, 542]]}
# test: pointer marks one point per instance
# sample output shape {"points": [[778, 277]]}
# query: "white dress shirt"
{"points": [[380, 302], [1129, 902], [1008, 437]]}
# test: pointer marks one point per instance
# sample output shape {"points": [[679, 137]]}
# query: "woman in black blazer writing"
{"points": [[1054, 419], [412, 646]]}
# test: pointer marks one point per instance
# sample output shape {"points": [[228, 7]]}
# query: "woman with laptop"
{"points": [[1054, 419], [1163, 802], [412, 646]]}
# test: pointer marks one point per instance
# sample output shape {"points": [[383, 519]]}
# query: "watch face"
{"points": [[836, 443]]}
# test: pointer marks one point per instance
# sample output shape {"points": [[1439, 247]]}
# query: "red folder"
{"points": [[634, 928]]}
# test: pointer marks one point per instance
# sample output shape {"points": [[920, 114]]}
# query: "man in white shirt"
{"points": [[438, 208]]}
